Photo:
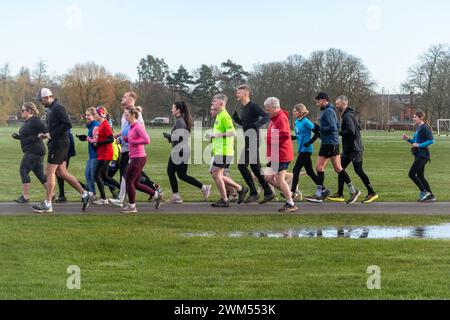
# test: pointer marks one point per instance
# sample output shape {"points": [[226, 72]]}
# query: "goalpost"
{"points": [[443, 127]]}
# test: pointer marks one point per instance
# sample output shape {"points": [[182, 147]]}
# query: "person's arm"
{"points": [[109, 139], [236, 118], [263, 117], [142, 136], [348, 126], [429, 138], [64, 123]]}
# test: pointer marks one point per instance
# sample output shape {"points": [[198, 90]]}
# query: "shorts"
{"points": [[329, 151], [355, 157], [223, 162], [57, 154], [282, 166]]}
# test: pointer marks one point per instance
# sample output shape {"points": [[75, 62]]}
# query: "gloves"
{"points": [[307, 145], [82, 137], [269, 164], [16, 136], [168, 136], [293, 138]]}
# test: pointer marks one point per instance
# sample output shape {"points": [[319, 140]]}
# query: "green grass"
{"points": [[387, 161], [146, 257]]}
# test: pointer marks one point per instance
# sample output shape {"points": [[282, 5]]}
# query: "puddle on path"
{"points": [[427, 232]]}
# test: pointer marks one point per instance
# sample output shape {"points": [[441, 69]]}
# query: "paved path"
{"points": [[400, 208]]}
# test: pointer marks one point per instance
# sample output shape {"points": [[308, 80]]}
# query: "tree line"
{"points": [[296, 79]]}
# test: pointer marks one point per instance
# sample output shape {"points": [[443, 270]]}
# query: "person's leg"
{"points": [[309, 168], [299, 163], [107, 180], [182, 174], [280, 178], [25, 168], [171, 170], [337, 165], [358, 166], [61, 191], [145, 179], [320, 168], [70, 179], [130, 179], [90, 176], [417, 165], [344, 163], [51, 183], [245, 172], [99, 173], [421, 176], [139, 164], [38, 170], [217, 174]]}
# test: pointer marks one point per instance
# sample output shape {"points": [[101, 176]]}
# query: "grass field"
{"points": [[147, 257], [387, 161]]}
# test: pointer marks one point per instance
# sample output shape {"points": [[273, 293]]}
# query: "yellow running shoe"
{"points": [[336, 198], [370, 198]]}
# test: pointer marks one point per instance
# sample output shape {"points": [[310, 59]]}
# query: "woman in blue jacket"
{"points": [[303, 131], [423, 138]]}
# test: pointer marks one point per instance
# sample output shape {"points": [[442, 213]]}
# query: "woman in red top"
{"points": [[102, 140]]}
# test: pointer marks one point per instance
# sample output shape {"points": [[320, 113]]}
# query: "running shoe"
{"points": [[116, 202], [158, 198], [315, 199], [206, 190], [85, 201], [252, 199], [22, 200], [288, 208], [423, 196], [61, 199], [325, 193], [268, 198], [354, 197], [370, 198], [221, 204], [234, 199], [42, 208], [129, 209], [430, 198], [242, 194], [174, 200], [101, 202], [336, 197]]}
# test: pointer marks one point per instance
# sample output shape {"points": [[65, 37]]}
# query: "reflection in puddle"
{"points": [[428, 232]]}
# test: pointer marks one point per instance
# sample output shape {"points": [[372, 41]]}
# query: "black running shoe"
{"points": [[242, 194], [61, 199], [42, 208], [22, 200], [315, 199], [221, 204], [85, 201], [430, 198]]}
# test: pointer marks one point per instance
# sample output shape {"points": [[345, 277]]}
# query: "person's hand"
{"points": [[307, 145], [416, 145], [82, 137], [269, 164], [16, 136], [209, 136], [168, 136], [90, 140], [44, 136], [405, 137]]}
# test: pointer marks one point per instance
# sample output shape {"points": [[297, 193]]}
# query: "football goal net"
{"points": [[443, 127]]}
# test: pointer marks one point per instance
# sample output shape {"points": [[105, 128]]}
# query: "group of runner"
{"points": [[124, 151]]}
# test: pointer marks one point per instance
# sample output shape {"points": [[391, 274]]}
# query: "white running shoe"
{"points": [[116, 202], [101, 202], [206, 190]]}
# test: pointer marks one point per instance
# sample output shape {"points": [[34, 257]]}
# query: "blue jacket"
{"points": [[329, 126], [424, 137], [303, 130], [92, 150]]}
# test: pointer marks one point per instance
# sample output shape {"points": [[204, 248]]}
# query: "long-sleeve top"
{"points": [[125, 128], [29, 141], [350, 132], [92, 151], [303, 130], [251, 117], [329, 126], [424, 137], [58, 123], [279, 136], [137, 138]]}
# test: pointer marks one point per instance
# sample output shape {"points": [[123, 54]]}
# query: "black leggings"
{"points": [[102, 178], [303, 161], [358, 166], [417, 174], [31, 162], [181, 171]]}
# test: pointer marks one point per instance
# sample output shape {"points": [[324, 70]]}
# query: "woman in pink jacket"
{"points": [[137, 138]]}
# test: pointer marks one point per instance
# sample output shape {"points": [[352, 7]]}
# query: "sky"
{"points": [[387, 35]]}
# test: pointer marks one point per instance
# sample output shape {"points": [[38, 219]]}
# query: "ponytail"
{"points": [[185, 113]]}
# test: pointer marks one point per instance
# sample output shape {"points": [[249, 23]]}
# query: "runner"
{"points": [[280, 151], [58, 123], [423, 138], [303, 130], [179, 157], [33, 149], [102, 140], [136, 138], [251, 118], [223, 152], [352, 151], [329, 149]]}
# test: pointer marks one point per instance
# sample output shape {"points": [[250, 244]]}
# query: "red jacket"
{"points": [[104, 151], [279, 136]]}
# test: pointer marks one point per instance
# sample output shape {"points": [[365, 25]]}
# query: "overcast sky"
{"points": [[387, 35]]}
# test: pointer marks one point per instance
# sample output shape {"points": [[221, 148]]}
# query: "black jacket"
{"points": [[58, 122], [29, 140], [350, 132], [251, 117]]}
